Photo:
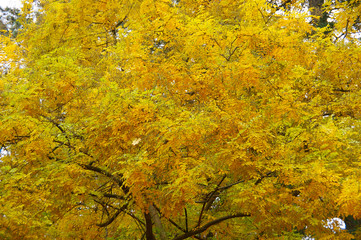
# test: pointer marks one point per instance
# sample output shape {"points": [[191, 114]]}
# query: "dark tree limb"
{"points": [[230, 185], [186, 218], [209, 224], [209, 200], [157, 222], [111, 195], [175, 224], [116, 179], [341, 90], [111, 219], [141, 223], [148, 227]]}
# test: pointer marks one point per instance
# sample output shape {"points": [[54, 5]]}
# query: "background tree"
{"points": [[9, 21], [170, 120]]}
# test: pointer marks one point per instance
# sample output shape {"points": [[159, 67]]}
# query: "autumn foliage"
{"points": [[160, 119]]}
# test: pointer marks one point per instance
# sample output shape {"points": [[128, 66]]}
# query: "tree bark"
{"points": [[157, 222], [148, 227], [316, 10]]}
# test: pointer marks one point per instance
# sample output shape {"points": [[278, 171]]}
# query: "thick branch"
{"points": [[157, 222], [148, 227], [209, 224], [108, 174], [57, 125], [341, 90], [111, 195], [186, 218], [230, 185], [13, 141], [209, 200], [174, 223]]}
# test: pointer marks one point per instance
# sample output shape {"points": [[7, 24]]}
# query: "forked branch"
{"points": [[209, 224]]}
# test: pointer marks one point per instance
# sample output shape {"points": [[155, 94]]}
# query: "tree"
{"points": [[9, 20], [177, 119]]}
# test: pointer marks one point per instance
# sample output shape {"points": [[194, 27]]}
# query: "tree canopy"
{"points": [[160, 119]]}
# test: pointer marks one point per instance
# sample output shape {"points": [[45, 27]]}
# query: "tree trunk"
{"points": [[316, 10], [148, 227], [157, 222]]}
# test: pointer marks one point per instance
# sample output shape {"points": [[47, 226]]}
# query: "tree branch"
{"points": [[110, 220], [148, 227], [108, 174], [136, 218], [209, 200], [157, 222], [111, 195], [209, 224], [174, 223], [230, 185], [186, 218]]}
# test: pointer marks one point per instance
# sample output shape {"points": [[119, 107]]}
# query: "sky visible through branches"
{"points": [[10, 3]]}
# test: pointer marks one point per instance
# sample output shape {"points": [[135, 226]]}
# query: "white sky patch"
{"points": [[335, 222], [308, 238], [10, 3], [4, 152]]}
